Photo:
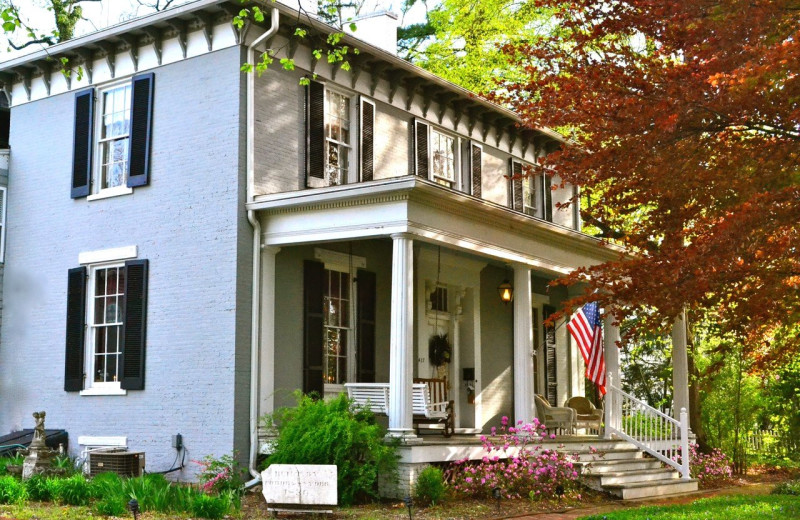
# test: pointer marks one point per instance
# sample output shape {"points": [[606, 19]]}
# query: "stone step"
{"points": [[615, 466], [629, 477], [654, 488], [615, 454]]}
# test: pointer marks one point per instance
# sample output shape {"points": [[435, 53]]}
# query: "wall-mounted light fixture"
{"points": [[506, 291]]}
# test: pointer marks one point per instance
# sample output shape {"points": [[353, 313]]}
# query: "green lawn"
{"points": [[738, 507]]}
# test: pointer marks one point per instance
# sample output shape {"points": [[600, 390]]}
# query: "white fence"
{"points": [[772, 442], [648, 429]]}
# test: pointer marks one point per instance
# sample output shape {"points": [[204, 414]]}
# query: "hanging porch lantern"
{"points": [[506, 291]]}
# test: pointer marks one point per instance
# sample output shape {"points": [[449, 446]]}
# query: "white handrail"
{"points": [[652, 431]]}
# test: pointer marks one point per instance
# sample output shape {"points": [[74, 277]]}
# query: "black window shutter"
{"points": [[82, 144], [421, 147], [315, 130], [141, 130], [551, 367], [366, 326], [313, 283], [135, 325], [367, 139], [516, 185], [76, 329], [476, 160]]}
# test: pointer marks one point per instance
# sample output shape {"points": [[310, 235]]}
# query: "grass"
{"points": [[737, 507]]}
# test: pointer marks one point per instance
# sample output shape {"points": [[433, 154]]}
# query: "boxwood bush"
{"points": [[333, 432]]}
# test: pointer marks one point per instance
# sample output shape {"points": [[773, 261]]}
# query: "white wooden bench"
{"points": [[375, 397]]}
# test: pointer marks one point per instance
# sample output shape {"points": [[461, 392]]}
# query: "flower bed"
{"points": [[515, 466]]}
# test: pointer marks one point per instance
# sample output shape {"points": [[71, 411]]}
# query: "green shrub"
{"points": [[153, 492], [12, 491], [65, 464], [429, 487], [38, 488], [112, 505], [331, 432], [211, 506], [73, 491], [792, 487]]}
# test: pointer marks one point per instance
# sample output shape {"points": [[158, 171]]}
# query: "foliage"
{"points": [[66, 464], [791, 487], [334, 432], [113, 505], [719, 508], [38, 488], [212, 506], [686, 153], [74, 490], [462, 40], [709, 468], [429, 487], [782, 407], [220, 474], [12, 491], [439, 350], [15, 460], [106, 484], [514, 467]]}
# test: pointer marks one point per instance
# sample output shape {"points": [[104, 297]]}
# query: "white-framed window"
{"points": [[338, 327], [104, 313], [443, 158], [113, 128], [532, 203], [3, 200], [338, 146]]}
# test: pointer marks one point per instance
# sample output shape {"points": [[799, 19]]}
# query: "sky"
{"points": [[109, 12]]}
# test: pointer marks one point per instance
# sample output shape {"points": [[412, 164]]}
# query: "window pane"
{"points": [[99, 369]]}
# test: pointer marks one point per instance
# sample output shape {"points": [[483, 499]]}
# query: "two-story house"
{"points": [[190, 244]]}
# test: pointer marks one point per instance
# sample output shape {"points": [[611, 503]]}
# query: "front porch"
{"points": [[356, 279]]}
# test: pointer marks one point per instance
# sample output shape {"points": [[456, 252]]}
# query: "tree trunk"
{"points": [[695, 404]]}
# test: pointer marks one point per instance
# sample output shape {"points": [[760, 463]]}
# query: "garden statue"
{"points": [[38, 458]]}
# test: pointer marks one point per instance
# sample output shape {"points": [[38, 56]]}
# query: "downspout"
{"points": [[255, 340]]}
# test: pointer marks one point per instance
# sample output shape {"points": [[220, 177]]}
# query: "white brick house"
{"points": [[270, 237]]}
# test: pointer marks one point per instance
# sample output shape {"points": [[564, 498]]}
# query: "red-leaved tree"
{"points": [[686, 121]]}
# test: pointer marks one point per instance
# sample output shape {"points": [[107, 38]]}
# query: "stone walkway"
{"points": [[571, 514]]}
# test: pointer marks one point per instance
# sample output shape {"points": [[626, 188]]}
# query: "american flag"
{"points": [[585, 329]]}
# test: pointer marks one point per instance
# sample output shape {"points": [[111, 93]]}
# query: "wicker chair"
{"points": [[588, 416], [554, 417]]}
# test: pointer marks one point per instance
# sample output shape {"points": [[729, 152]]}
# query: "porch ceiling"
{"points": [[430, 213]]}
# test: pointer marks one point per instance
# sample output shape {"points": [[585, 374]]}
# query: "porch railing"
{"points": [[648, 429]]}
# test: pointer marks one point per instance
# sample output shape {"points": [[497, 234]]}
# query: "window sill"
{"points": [[111, 192], [104, 391]]}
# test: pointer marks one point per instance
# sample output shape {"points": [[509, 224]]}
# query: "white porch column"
{"points": [[401, 342], [613, 410], [680, 367], [523, 346], [267, 335]]}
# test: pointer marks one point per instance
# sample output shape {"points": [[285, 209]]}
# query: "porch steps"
{"points": [[629, 473]]}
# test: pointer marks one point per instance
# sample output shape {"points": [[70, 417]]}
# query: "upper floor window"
{"points": [[532, 196], [112, 136], [114, 139], [443, 158], [337, 137]]}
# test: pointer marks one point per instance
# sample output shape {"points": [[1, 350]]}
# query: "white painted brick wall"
{"points": [[188, 223]]}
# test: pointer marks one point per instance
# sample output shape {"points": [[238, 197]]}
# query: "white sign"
{"points": [[300, 484]]}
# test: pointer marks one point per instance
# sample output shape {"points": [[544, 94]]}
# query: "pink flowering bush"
{"points": [[219, 475], [709, 468], [516, 465]]}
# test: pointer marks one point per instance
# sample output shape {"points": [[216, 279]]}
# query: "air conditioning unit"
{"points": [[120, 461]]}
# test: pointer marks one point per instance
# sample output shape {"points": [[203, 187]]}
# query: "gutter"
{"points": [[255, 339]]}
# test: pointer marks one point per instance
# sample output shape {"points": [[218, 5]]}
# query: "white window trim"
{"points": [[342, 262], [4, 202], [97, 192], [456, 162], [94, 260], [108, 255], [91, 387]]}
